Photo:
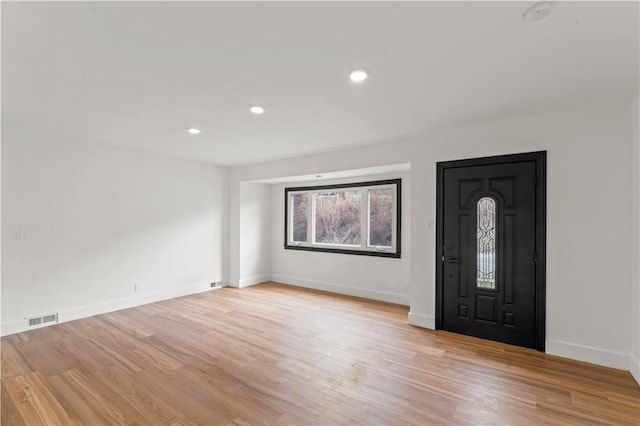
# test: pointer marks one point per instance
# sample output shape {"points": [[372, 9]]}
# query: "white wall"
{"points": [[255, 234], [589, 216], [635, 253], [377, 278], [98, 221]]}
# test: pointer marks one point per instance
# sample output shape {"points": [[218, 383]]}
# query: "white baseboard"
{"points": [[18, 326], [589, 354], [246, 282], [635, 368], [422, 320], [382, 296]]}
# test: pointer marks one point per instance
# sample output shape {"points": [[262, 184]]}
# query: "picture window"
{"points": [[357, 218]]}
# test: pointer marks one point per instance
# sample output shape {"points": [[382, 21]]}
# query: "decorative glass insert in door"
{"points": [[486, 243]]}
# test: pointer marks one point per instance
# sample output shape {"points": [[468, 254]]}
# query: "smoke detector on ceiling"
{"points": [[537, 12]]}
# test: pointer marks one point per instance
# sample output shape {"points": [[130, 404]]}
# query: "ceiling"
{"points": [[135, 75]]}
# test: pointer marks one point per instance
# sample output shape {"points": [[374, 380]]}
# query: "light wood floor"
{"points": [[274, 354]]}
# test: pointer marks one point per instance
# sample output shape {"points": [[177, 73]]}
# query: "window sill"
{"points": [[394, 255]]}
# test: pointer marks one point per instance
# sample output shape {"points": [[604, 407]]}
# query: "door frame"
{"points": [[540, 159]]}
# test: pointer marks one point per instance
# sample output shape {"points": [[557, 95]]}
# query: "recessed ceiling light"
{"points": [[193, 131], [256, 109], [537, 12], [358, 76]]}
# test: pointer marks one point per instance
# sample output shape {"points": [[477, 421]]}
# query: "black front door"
{"points": [[490, 279]]}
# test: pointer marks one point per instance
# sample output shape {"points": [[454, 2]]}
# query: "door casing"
{"points": [[540, 159]]}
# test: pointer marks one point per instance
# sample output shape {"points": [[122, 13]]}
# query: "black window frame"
{"points": [[396, 254]]}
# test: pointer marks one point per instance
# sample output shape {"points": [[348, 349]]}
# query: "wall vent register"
{"points": [[42, 320]]}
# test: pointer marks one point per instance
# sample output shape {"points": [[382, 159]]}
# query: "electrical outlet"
{"points": [[18, 234]]}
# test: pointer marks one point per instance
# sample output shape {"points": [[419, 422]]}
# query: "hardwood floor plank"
{"points": [[277, 354], [145, 400], [35, 400], [13, 364], [9, 414], [44, 355], [83, 402], [128, 325], [192, 400]]}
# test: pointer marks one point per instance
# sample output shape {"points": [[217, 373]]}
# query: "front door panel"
{"points": [[489, 237]]}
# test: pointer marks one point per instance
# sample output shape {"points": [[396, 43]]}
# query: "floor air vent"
{"points": [[42, 320]]}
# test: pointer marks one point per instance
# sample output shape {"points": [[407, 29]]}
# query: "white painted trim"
{"points": [[422, 320], [589, 354], [382, 296], [18, 326], [246, 282], [634, 368]]}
